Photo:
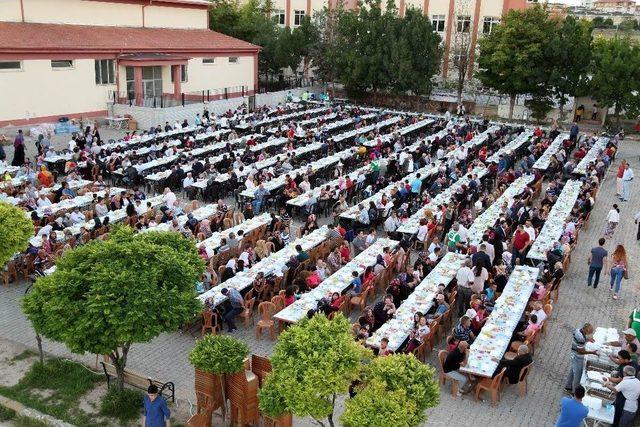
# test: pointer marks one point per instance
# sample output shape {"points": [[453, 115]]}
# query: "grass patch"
{"points": [[23, 421], [24, 355], [124, 405], [64, 381], [6, 414]]}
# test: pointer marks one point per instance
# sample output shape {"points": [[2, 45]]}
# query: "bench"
{"points": [[166, 389]]}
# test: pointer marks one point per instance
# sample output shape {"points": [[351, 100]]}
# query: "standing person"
{"points": [[634, 321], [580, 338], [626, 403], [619, 269], [637, 221], [18, 147], [572, 410], [465, 279], [156, 412], [597, 260], [521, 240], [573, 133], [613, 218], [237, 305], [619, 178], [627, 177]]}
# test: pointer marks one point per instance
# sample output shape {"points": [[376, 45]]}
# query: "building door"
{"points": [[152, 85]]}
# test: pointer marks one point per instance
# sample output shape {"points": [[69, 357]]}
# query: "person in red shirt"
{"points": [[580, 153], [291, 133], [521, 242], [619, 177]]}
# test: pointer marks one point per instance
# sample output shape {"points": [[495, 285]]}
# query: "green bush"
{"points": [[124, 405], [15, 231], [23, 421], [219, 354], [6, 414]]}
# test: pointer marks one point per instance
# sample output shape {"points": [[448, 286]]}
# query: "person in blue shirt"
{"points": [[572, 410], [356, 282], [416, 185], [156, 412]]}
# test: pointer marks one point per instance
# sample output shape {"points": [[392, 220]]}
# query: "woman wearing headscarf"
{"points": [[44, 176], [18, 146]]}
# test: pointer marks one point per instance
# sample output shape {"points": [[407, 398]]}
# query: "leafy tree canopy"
{"points": [[106, 295], [616, 75], [15, 231], [313, 361], [219, 354], [398, 388]]}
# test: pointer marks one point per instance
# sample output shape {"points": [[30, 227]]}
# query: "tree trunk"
{"points": [[333, 406], [224, 398], [561, 110], [120, 363], [512, 103], [40, 350], [617, 113]]}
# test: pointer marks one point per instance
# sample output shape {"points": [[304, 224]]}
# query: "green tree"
{"points": [[313, 362], [416, 54], [107, 295], [616, 75], [628, 25], [15, 231], [398, 379], [326, 53], [514, 58], [539, 106], [570, 49]]}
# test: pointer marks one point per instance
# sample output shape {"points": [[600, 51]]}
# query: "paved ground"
{"points": [[166, 356]]}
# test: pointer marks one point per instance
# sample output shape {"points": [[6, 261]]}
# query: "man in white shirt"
{"points": [[489, 249], [627, 176], [43, 201], [363, 215], [168, 198], [371, 237], [76, 216], [305, 186], [531, 231], [539, 312], [463, 232], [630, 389], [464, 277], [188, 180], [72, 144], [392, 223], [177, 125]]}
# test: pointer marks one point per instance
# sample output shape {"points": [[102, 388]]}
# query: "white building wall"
{"points": [[40, 91], [83, 12], [219, 75], [147, 117], [164, 17]]}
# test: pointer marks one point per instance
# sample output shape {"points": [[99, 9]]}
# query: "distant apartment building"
{"points": [[628, 6], [473, 17]]}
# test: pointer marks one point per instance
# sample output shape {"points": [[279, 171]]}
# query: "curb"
{"points": [[20, 409]]}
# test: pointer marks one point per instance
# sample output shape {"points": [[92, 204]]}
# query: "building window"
{"points": [[185, 76], [464, 24], [61, 64], [104, 71], [278, 16], [208, 61], [298, 17], [233, 59], [438, 23], [10, 65], [488, 24]]}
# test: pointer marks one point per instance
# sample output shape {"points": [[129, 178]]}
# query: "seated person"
{"points": [[514, 366], [455, 359], [463, 332]]}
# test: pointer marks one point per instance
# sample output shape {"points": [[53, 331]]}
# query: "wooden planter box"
{"points": [[285, 420], [210, 386]]}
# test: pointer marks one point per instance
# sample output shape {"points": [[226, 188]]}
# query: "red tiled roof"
{"points": [[25, 38]]}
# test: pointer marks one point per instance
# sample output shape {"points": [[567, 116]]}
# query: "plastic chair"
{"points": [[247, 313], [493, 385], [209, 322], [266, 310], [359, 300], [442, 355]]}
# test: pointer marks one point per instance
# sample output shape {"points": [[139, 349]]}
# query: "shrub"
{"points": [[124, 405]]}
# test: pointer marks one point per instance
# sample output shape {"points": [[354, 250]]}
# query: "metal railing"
{"points": [[184, 98]]}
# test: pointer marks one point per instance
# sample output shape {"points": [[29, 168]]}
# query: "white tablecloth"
{"points": [[397, 329], [79, 201], [598, 147], [213, 243], [494, 338], [275, 264], [366, 129], [543, 162], [337, 282], [554, 225], [489, 217], [402, 131], [512, 146]]}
